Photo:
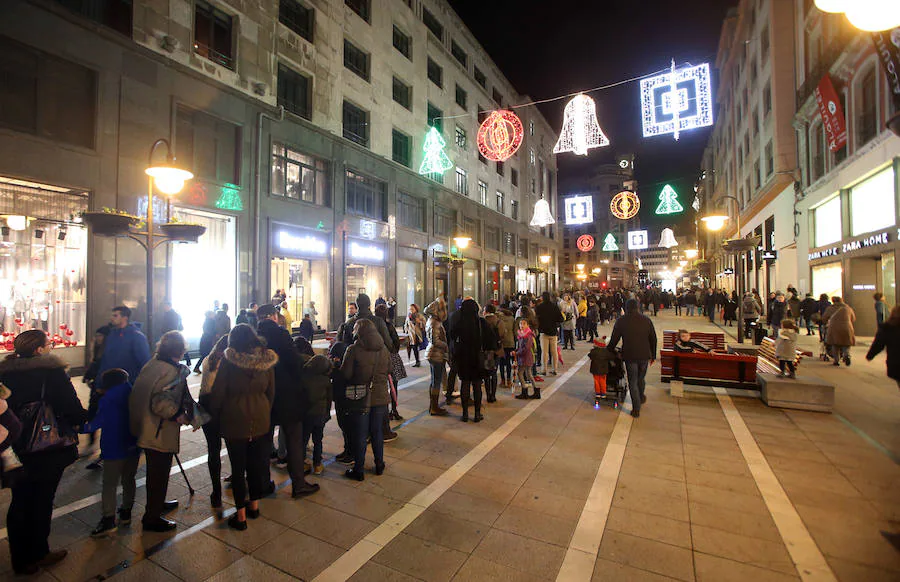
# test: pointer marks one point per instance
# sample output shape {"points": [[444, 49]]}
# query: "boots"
{"points": [[523, 395], [478, 417], [537, 394], [435, 408], [465, 410]]}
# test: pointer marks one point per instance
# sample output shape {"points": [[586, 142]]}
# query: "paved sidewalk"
{"points": [[705, 487]]}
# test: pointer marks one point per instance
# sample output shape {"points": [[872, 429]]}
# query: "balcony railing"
{"points": [[829, 56]]}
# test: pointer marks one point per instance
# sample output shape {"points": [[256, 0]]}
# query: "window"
{"points": [[764, 44], [497, 97], [754, 123], [767, 100], [828, 222], [361, 7], [32, 99], [479, 77], [459, 54], [872, 203], [444, 221], [356, 60], [770, 160], [462, 182], [481, 158], [509, 243], [500, 206], [461, 139], [500, 168], [433, 24], [293, 92], [514, 176], [531, 157], [209, 146], [299, 177], [356, 124], [213, 36], [114, 14], [867, 110], [366, 196], [482, 192], [410, 211], [401, 148], [492, 237], [403, 43], [435, 117], [523, 248], [402, 93], [816, 153], [461, 97], [297, 18], [435, 73], [472, 227], [757, 173], [514, 209]]}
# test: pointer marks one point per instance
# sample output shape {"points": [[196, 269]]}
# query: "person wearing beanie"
{"points": [[638, 350]]}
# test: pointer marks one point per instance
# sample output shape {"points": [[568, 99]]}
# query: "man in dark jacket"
{"points": [[710, 302], [807, 307], [289, 405], [171, 321], [638, 350], [125, 347], [364, 311], [549, 317]]}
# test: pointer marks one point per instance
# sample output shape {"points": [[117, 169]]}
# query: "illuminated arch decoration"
{"points": [[500, 135], [625, 205], [609, 243], [676, 101], [580, 130], [435, 160], [668, 201], [585, 243]]}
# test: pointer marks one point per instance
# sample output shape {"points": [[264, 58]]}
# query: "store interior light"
{"points": [[168, 178], [715, 221], [16, 222], [545, 259], [691, 253]]}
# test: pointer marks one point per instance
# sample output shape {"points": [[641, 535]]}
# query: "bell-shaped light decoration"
{"points": [[667, 240], [874, 15], [542, 215], [580, 130]]}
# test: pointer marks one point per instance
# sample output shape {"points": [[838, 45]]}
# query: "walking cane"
{"points": [[183, 474]]}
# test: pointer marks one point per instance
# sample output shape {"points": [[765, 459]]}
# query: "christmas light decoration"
{"points": [[585, 243], [500, 135], [625, 205], [230, 198], [579, 209], [542, 215], [435, 161], [667, 240], [609, 243], [668, 201], [580, 130], [638, 240], [676, 101], [696, 204]]}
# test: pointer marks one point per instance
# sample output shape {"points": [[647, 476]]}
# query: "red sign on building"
{"points": [[585, 243], [832, 114]]}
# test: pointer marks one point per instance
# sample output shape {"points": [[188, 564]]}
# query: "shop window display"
{"points": [[304, 281], [365, 279], [872, 203], [828, 279], [410, 285], [828, 222]]}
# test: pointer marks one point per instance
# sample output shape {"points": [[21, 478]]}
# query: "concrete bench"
{"points": [[801, 393]]}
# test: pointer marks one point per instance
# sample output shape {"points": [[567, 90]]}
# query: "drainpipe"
{"points": [[257, 181]]}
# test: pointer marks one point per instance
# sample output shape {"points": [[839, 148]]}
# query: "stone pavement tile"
{"points": [[854, 459], [737, 483], [372, 572], [479, 570], [134, 538], [810, 495], [786, 450], [447, 531], [711, 443], [727, 499], [548, 503], [860, 545], [652, 527], [636, 466], [749, 524], [485, 488], [670, 507], [66, 530], [568, 464], [512, 473], [421, 559], [646, 554], [653, 457], [333, 526], [848, 571], [740, 548], [527, 555], [298, 554], [432, 458], [832, 482], [88, 558], [716, 569], [561, 483], [723, 453], [707, 431], [810, 468], [259, 531], [417, 472], [145, 571], [181, 558], [474, 509], [285, 510], [726, 467], [652, 486], [588, 448], [665, 444], [537, 526], [250, 569], [515, 452], [389, 485], [360, 503], [607, 571]]}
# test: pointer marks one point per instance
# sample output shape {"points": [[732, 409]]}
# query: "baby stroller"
{"points": [[616, 383]]}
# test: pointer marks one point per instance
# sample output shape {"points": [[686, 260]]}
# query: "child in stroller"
{"points": [[608, 371]]}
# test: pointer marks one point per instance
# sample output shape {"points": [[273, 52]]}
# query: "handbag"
{"points": [[45, 432], [397, 367], [358, 392]]}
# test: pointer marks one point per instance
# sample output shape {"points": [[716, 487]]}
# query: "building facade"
{"points": [[303, 122]]}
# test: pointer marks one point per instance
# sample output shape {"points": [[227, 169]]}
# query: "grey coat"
{"points": [[154, 432]]}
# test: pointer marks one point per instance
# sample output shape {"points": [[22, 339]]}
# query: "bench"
{"points": [[767, 362], [712, 369], [801, 393], [713, 340]]}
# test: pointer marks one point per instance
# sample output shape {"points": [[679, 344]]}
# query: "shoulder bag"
{"points": [[42, 430]]}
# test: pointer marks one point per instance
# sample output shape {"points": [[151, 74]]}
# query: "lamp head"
{"points": [[462, 240], [168, 178], [715, 222], [579, 267], [545, 259]]}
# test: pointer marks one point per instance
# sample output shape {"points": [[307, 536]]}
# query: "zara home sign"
{"points": [[873, 240]]}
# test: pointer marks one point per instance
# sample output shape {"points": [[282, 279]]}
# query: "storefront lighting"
{"points": [[596, 270], [691, 253], [715, 222], [682, 263], [16, 222], [462, 240], [545, 259], [579, 267], [581, 276]]}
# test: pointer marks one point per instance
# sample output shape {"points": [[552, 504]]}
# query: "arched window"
{"points": [[866, 105], [816, 152]]}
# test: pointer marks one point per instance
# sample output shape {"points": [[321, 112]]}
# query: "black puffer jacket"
{"points": [[549, 315], [465, 347], [316, 378], [290, 403], [243, 392]]}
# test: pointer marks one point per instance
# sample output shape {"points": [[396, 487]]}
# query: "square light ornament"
{"points": [[676, 101]]}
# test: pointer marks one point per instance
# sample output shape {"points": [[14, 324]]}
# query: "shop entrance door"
{"points": [[864, 280]]}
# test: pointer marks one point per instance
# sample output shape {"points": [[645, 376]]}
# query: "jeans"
{"points": [[548, 342], [690, 310], [214, 449], [437, 378], [314, 426], [368, 423], [591, 333], [30, 511], [466, 389], [789, 364], [158, 466], [568, 339], [677, 309], [505, 364], [114, 472], [637, 372], [250, 458], [525, 377]]}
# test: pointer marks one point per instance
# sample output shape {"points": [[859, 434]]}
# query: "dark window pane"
{"points": [[356, 124], [480, 78], [293, 92], [361, 7], [366, 196], [459, 54], [401, 148], [297, 17], [402, 93], [432, 24], [435, 73], [114, 14], [356, 60], [403, 43], [208, 146], [462, 98], [213, 34], [435, 117]]}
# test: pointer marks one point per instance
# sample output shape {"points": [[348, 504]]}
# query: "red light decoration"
{"points": [[585, 243], [500, 135]]}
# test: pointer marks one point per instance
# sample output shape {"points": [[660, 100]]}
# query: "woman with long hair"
{"points": [[888, 337], [212, 430], [34, 376], [470, 335], [414, 326]]}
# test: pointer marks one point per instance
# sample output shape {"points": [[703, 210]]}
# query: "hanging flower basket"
{"points": [[109, 222], [448, 261], [182, 231], [535, 270]]}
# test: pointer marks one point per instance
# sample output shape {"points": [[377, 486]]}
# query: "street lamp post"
{"points": [[545, 260]]}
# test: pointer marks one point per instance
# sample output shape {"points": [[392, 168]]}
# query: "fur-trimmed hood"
{"points": [[261, 359], [43, 362]]}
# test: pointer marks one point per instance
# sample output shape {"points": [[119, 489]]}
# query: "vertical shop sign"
{"points": [[887, 45], [832, 114]]}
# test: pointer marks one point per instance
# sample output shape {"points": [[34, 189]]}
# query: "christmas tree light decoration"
{"points": [[500, 135], [667, 240], [676, 101], [625, 205], [668, 201], [435, 161], [609, 243], [580, 130], [230, 199], [542, 215]]}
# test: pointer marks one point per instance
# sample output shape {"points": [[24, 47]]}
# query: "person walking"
{"points": [[709, 304], [888, 337], [839, 334], [469, 334], [690, 302], [223, 321], [549, 318], [242, 397], [436, 353], [36, 377], [414, 326], [881, 308], [752, 311], [212, 430], [823, 305], [731, 305], [638, 350], [808, 308]]}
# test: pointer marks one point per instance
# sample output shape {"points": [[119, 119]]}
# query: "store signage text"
{"points": [[366, 252], [728, 271], [874, 240], [302, 244], [820, 254], [864, 287], [768, 255]]}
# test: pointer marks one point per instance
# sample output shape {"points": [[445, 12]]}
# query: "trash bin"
{"points": [[759, 332]]}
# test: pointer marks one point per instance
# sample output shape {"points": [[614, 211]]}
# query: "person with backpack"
{"points": [[315, 375]]}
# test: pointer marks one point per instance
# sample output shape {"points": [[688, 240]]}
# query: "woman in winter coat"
{"points": [[212, 430], [569, 310], [242, 396], [437, 354], [366, 365], [823, 305], [508, 345], [888, 337], [731, 305], [382, 311], [33, 374], [207, 339], [469, 336], [414, 326], [840, 335]]}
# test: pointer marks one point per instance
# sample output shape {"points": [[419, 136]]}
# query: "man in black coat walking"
{"points": [[549, 317], [638, 350]]}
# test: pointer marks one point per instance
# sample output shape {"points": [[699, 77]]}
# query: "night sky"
{"points": [[549, 48]]}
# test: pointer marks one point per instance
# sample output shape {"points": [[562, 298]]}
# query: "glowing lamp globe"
{"points": [[873, 15], [691, 253], [579, 267], [833, 5], [16, 222], [545, 259], [168, 179], [542, 215], [462, 240], [715, 221]]}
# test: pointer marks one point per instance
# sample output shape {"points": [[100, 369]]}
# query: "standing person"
{"points": [[709, 304], [398, 371], [364, 311], [888, 337], [525, 345], [212, 431], [414, 326], [207, 339], [549, 318], [840, 335], [808, 308], [823, 305], [223, 321], [160, 387], [468, 336], [526, 311], [392, 311], [777, 312], [313, 314], [497, 332], [581, 322], [125, 347], [638, 350], [593, 315], [365, 368], [569, 309], [752, 311], [34, 375], [731, 305], [93, 381], [306, 331], [171, 321], [380, 300], [508, 344], [315, 376], [436, 353], [881, 308], [786, 347], [690, 302], [342, 408], [793, 305], [286, 314], [242, 397]]}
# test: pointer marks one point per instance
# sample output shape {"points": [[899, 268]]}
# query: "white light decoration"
{"points": [[542, 215], [306, 243], [676, 101], [833, 5], [580, 130], [579, 209], [696, 204], [638, 240], [874, 15], [16, 222], [667, 240]]}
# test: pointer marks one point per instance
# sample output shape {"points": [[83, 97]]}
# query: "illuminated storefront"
{"points": [[299, 265], [365, 269], [410, 279]]}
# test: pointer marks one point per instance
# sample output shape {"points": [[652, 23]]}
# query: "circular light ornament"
{"points": [[168, 179], [874, 15], [715, 221], [625, 205], [833, 6], [585, 243], [500, 135]]}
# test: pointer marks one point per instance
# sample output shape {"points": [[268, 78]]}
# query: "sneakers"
{"points": [[106, 526], [235, 523], [351, 474], [318, 469], [390, 436], [124, 516]]}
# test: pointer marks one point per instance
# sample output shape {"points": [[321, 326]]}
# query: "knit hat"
{"points": [[363, 301]]}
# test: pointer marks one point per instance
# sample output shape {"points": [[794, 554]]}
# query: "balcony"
{"points": [[827, 60]]}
